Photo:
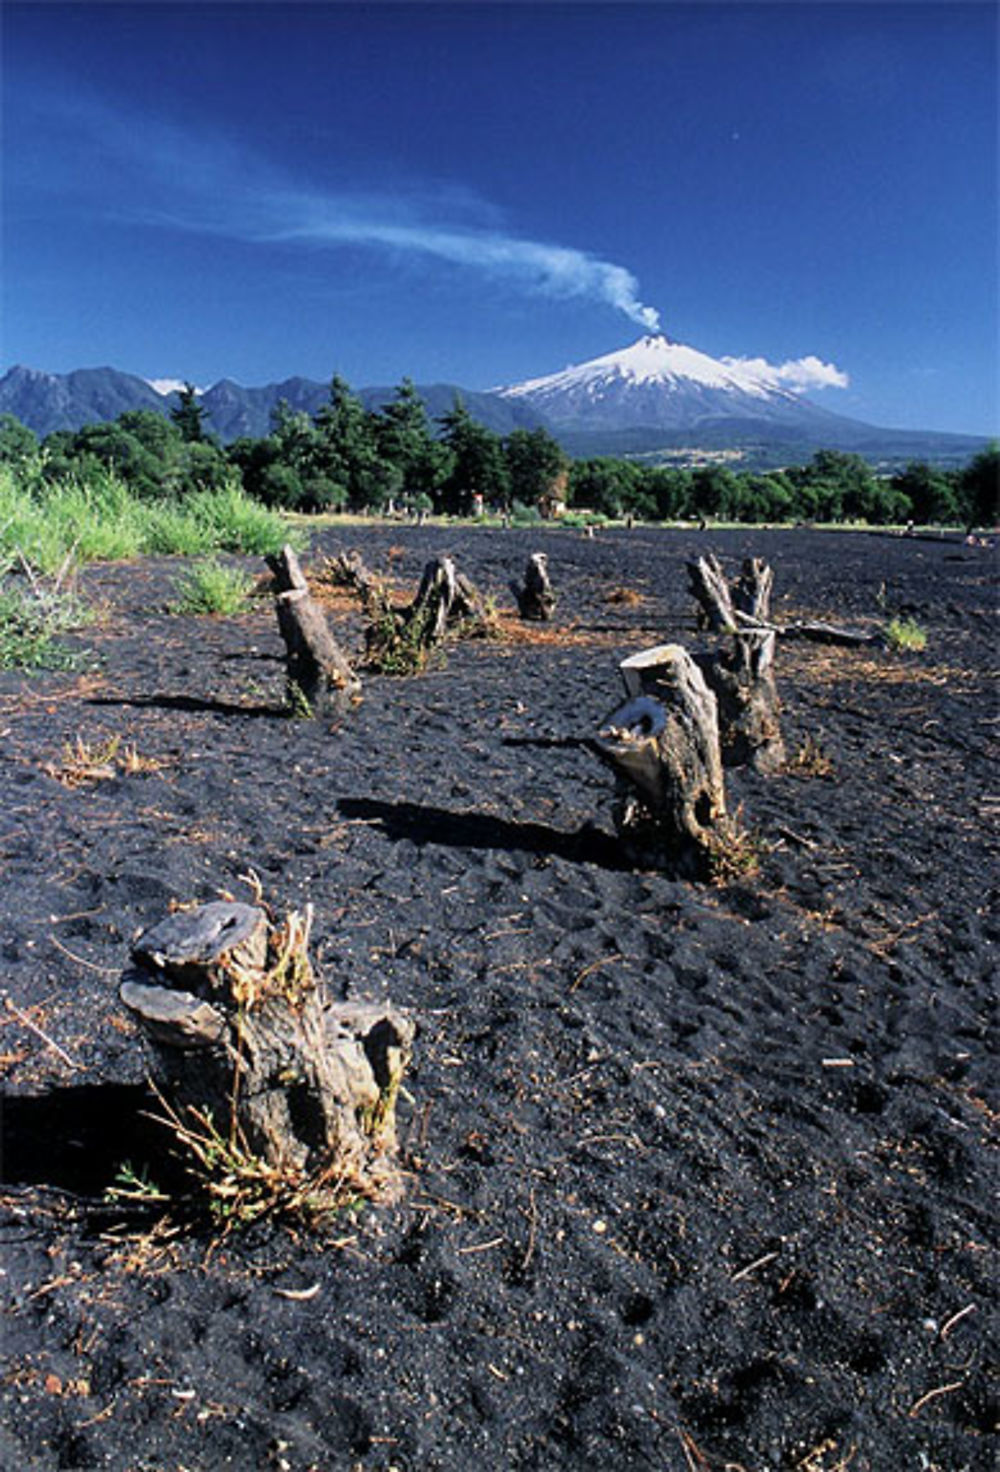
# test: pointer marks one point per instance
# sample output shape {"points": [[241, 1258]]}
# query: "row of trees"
{"points": [[347, 457]]}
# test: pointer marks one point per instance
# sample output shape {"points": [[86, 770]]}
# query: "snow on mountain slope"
{"points": [[662, 383]]}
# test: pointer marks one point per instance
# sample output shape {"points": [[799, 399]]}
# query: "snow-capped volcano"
{"points": [[656, 383]]}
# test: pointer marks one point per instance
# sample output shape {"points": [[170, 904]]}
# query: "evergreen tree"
{"points": [[477, 463], [188, 414], [18, 443], [404, 440], [347, 452], [931, 493], [979, 484], [535, 464]]}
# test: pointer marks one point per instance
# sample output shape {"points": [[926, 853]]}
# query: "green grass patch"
{"points": [[32, 616], [97, 519], [211, 587], [905, 636]]}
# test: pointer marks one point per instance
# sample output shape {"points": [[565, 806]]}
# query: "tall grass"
{"points": [[99, 520]]}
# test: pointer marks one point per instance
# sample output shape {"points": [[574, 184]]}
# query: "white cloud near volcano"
{"points": [[799, 374]]}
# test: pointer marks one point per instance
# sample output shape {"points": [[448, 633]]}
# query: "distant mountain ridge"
{"points": [[47, 402], [655, 399]]}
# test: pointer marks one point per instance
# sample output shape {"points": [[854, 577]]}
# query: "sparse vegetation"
{"points": [[810, 760], [84, 762], [210, 587], [735, 853], [96, 517], [34, 611], [395, 645], [239, 1187], [905, 636]]}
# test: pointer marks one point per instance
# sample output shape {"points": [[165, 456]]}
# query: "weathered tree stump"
{"points": [[318, 675], [711, 589], [663, 743], [748, 606], [244, 1042], [446, 599], [742, 680], [535, 599], [349, 570], [752, 590], [399, 639], [741, 675]]}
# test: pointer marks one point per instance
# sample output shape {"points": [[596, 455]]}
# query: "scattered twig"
{"points": [[529, 1251], [798, 838], [90, 965], [300, 1295], [752, 1267], [946, 1329], [601, 961], [482, 1246], [26, 1021], [693, 1455], [933, 1395]]}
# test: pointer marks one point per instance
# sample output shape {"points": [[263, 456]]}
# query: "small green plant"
{"points": [[27, 636], [135, 1186], [298, 706], [235, 523], [173, 531], [734, 853], [34, 610], [240, 1188], [211, 587], [905, 635], [395, 646]]}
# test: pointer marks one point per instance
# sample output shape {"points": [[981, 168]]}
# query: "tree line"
{"points": [[346, 457]]}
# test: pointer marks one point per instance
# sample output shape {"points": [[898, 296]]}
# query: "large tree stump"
{"points": [[748, 606], [318, 675], [741, 675], [447, 600], [245, 1044], [535, 600], [663, 743], [711, 589]]}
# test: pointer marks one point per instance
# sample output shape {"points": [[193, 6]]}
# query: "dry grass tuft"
{"points": [[735, 852], [624, 597], [85, 763], [809, 761]]}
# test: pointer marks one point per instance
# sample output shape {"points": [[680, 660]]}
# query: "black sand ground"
{"points": [[699, 1178]]}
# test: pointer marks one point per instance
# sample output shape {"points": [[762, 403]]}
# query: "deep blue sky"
{"points": [[483, 193]]}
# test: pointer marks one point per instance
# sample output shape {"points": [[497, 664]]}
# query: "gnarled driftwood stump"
{"points": [[241, 1034]]}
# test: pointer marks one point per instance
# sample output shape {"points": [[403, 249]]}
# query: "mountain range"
{"points": [[655, 399]]}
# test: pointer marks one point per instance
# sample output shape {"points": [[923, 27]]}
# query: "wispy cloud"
{"points": [[553, 270], [168, 175], [796, 373]]}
